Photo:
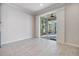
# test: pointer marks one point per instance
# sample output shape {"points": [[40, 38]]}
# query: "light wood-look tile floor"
{"points": [[37, 47]]}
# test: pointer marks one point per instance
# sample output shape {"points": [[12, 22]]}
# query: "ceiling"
{"points": [[48, 16], [33, 7]]}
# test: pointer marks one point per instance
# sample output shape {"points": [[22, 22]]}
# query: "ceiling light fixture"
{"points": [[52, 17], [41, 4]]}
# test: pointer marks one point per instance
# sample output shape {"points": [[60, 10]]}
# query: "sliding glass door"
{"points": [[43, 26], [47, 26], [52, 27]]}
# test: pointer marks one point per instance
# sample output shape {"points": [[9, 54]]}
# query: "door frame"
{"points": [[46, 14], [38, 24]]}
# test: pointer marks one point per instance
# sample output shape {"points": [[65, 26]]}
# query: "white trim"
{"points": [[12, 41], [18, 8], [54, 11], [69, 44], [7, 42], [50, 8]]}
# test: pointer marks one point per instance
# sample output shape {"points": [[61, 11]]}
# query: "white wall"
{"points": [[60, 14], [16, 25], [72, 24], [37, 27], [68, 25]]}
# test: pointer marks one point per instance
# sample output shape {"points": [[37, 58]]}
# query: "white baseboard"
{"points": [[74, 45], [19, 39], [70, 44], [7, 42]]}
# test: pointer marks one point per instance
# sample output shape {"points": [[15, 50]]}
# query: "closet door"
{"points": [[60, 13]]}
